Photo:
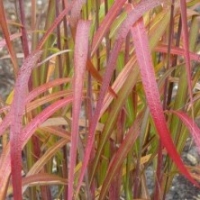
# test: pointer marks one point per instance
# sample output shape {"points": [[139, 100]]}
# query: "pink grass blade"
{"points": [[191, 125], [186, 46], [178, 51], [43, 116], [26, 133], [43, 88], [76, 11], [47, 100], [17, 110], [5, 171], [120, 155], [75, 15], [33, 94], [132, 17], [80, 59], [106, 23], [152, 94]]}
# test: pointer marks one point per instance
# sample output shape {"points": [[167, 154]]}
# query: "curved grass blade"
{"points": [[76, 11], [80, 60], [47, 99], [42, 117], [18, 107], [43, 88], [33, 94], [49, 58], [27, 132], [132, 17], [178, 51], [17, 110], [191, 125], [152, 94]]}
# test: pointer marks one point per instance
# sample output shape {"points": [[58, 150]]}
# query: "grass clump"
{"points": [[95, 103]]}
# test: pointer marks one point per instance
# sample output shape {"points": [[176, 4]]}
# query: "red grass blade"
{"points": [[132, 17], [17, 110], [33, 94], [80, 59], [76, 11], [43, 116], [152, 94], [186, 46], [191, 125], [43, 88], [5, 171], [178, 51], [26, 133]]}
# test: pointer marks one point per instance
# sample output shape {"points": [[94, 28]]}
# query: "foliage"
{"points": [[105, 90]]}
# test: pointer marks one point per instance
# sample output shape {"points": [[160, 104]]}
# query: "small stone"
{"points": [[13, 17], [192, 159], [39, 2]]}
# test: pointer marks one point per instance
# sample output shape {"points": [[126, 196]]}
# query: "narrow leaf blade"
{"points": [[191, 125], [152, 94], [80, 60]]}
